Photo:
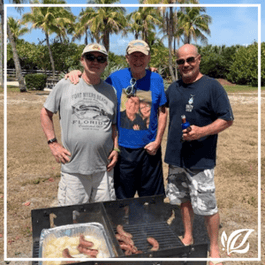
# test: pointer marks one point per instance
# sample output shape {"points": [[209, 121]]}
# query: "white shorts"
{"points": [[79, 189]]}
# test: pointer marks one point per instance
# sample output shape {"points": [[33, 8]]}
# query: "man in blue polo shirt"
{"points": [[139, 167]]}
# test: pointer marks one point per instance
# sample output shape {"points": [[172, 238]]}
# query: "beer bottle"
{"points": [[185, 125]]}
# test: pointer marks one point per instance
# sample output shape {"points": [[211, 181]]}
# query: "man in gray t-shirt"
{"points": [[89, 149]]}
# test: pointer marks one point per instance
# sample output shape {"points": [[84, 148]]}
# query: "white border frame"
{"points": [[259, 134]]}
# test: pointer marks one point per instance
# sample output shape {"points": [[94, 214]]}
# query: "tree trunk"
{"points": [[106, 40], [2, 44], [50, 54], [170, 37], [19, 75]]}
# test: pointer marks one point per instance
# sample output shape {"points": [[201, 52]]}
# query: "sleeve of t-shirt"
{"points": [[221, 103], [108, 80], [52, 103]]}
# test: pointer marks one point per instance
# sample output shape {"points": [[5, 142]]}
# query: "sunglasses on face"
{"points": [[188, 60], [131, 89], [91, 58]]}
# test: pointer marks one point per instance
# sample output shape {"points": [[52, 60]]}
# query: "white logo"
{"points": [[230, 243], [191, 99]]}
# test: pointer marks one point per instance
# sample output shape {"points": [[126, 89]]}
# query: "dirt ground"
{"points": [[33, 174]]}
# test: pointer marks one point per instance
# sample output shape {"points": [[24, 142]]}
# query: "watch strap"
{"points": [[52, 140]]}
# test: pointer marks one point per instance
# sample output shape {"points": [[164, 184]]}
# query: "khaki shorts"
{"points": [[79, 189], [196, 186]]}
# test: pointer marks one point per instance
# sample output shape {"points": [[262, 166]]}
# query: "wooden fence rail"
{"points": [[50, 83]]}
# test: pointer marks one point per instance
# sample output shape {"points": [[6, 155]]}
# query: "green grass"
{"points": [[229, 89], [238, 88]]}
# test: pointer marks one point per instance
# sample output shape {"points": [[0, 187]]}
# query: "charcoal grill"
{"points": [[142, 217]]}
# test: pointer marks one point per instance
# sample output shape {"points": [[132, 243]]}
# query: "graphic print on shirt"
{"points": [[135, 110], [90, 111], [189, 106]]}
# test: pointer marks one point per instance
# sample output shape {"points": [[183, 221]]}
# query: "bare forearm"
{"points": [[216, 127], [47, 123], [199, 132], [115, 136], [162, 122], [59, 152]]}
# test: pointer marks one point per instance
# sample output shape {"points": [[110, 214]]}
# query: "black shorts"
{"points": [[136, 170]]}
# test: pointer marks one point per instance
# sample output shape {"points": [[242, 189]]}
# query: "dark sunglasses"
{"points": [[91, 58], [131, 89], [188, 60]]}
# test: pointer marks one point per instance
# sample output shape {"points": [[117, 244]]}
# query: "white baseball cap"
{"points": [[138, 46], [95, 47]]}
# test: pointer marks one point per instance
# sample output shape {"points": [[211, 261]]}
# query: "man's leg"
{"points": [[125, 173], [212, 225], [187, 219]]}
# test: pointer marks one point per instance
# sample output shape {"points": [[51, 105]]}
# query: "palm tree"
{"points": [[144, 20], [19, 75], [50, 20], [16, 28], [82, 26], [106, 20], [194, 24], [170, 27]]}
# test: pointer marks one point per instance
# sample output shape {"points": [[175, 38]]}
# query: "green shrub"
{"points": [[35, 81]]}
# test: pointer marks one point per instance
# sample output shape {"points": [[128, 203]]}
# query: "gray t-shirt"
{"points": [[86, 114]]}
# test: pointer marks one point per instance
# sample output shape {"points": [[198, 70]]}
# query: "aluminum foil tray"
{"points": [[94, 232]]}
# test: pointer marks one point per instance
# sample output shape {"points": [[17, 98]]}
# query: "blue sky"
{"points": [[230, 25]]}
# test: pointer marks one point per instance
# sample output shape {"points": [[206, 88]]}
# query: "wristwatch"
{"points": [[52, 140]]}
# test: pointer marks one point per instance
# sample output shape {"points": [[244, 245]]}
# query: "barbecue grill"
{"points": [[142, 217]]}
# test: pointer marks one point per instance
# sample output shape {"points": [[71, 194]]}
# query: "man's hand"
{"points": [[113, 157], [73, 76], [194, 134], [60, 153], [152, 148]]}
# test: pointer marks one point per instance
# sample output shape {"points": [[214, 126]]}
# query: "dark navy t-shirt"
{"points": [[202, 102]]}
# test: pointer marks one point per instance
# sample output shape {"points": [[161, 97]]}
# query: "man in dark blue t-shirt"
{"points": [[191, 154]]}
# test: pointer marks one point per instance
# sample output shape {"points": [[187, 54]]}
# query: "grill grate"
{"points": [[158, 230]]}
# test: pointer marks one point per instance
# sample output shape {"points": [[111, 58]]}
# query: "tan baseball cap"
{"points": [[95, 47], [138, 46]]}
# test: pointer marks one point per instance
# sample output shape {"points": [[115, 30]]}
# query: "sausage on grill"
{"points": [[121, 231], [124, 239], [154, 243]]}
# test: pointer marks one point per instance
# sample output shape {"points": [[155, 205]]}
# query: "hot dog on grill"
{"points": [[124, 239], [121, 231], [154, 243]]}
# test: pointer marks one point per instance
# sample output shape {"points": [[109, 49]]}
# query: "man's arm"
{"points": [[59, 152], [152, 147], [214, 128], [113, 157]]}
